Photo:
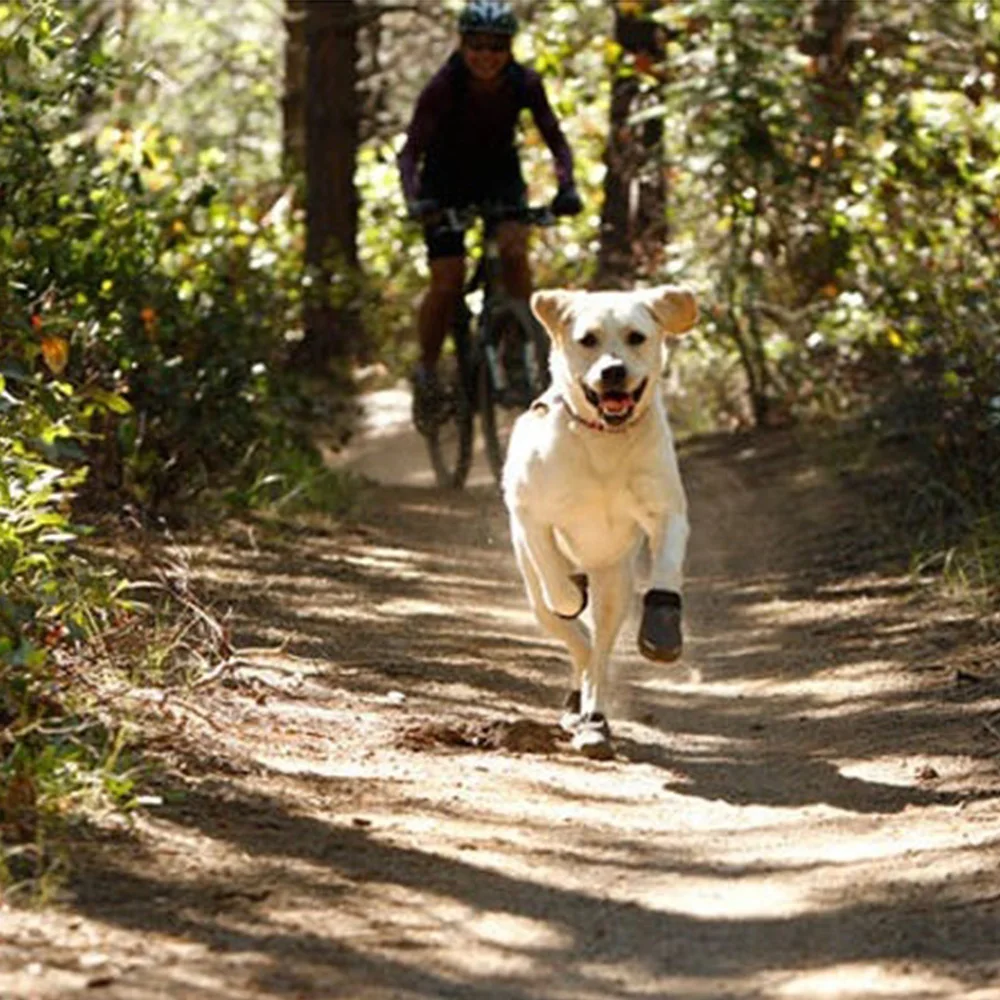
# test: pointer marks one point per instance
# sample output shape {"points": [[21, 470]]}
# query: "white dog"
{"points": [[597, 507]]}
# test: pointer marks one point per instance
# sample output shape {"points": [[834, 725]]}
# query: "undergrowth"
{"points": [[66, 742], [115, 638], [941, 531], [146, 308]]}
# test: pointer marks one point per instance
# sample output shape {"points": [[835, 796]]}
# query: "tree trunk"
{"points": [[333, 331], [633, 218], [124, 13], [827, 39], [835, 102], [293, 101]]}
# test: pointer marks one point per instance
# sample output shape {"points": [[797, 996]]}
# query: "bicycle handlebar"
{"points": [[461, 219]]}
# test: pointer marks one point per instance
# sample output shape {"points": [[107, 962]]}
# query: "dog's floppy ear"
{"points": [[674, 308], [553, 308]]}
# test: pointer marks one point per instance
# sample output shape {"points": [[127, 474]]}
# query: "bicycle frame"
{"points": [[496, 302], [487, 349]]}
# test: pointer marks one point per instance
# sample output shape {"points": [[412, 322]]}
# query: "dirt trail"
{"points": [[807, 808]]}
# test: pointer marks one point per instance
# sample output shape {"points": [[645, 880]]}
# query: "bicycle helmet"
{"points": [[489, 17]]}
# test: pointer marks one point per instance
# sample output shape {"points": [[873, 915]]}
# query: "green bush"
{"points": [[153, 285], [147, 302]]}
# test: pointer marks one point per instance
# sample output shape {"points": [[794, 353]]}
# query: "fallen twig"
{"points": [[213, 624], [991, 729], [167, 699]]}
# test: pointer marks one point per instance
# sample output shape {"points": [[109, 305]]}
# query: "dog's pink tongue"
{"points": [[616, 403]]}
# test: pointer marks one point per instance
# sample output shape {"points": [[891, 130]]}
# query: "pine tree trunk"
{"points": [[633, 218], [293, 101], [827, 39], [333, 330], [835, 104]]}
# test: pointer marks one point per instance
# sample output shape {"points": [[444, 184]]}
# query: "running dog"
{"points": [[597, 509]]}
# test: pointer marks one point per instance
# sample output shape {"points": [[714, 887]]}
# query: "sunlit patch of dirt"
{"points": [[376, 803]]}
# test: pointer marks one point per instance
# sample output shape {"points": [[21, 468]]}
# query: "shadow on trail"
{"points": [[367, 606], [785, 584], [757, 779], [589, 936]]}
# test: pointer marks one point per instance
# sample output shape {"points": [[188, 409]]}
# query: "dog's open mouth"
{"points": [[615, 406]]}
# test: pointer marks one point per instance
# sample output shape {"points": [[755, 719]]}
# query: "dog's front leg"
{"points": [[562, 590], [660, 631], [573, 633], [667, 537]]}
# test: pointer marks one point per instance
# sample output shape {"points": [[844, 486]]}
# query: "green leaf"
{"points": [[109, 400]]}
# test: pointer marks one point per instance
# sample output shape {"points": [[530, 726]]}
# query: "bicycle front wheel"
{"points": [[498, 410], [449, 442]]}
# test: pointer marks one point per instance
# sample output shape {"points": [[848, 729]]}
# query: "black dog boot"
{"points": [[660, 631]]}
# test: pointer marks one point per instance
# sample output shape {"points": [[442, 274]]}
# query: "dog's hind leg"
{"points": [[610, 597]]}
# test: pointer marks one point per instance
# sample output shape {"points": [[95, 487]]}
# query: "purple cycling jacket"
{"points": [[461, 140]]}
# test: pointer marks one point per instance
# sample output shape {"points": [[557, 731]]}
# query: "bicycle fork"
{"points": [[530, 354]]}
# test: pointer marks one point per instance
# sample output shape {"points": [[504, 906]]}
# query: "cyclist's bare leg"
{"points": [[437, 310], [512, 241]]}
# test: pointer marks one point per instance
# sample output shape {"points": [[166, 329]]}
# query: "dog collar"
{"points": [[593, 425]]}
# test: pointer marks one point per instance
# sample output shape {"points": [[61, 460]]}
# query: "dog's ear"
{"points": [[674, 308], [553, 308]]}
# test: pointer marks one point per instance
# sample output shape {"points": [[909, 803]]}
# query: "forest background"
{"points": [[205, 254]]}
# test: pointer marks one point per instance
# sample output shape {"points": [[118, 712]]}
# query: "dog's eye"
{"points": [[588, 340], [636, 339]]}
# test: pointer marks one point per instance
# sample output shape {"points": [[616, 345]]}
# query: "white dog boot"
{"points": [[660, 631], [592, 737], [570, 720]]}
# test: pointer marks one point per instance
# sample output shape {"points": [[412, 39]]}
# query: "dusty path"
{"points": [[807, 808]]}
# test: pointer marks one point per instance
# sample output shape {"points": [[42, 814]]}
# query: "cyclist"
{"points": [[460, 149]]}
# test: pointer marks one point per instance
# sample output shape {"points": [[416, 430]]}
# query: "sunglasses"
{"points": [[486, 43]]}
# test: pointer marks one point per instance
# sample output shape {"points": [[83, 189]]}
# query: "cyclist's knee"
{"points": [[512, 241], [447, 277], [514, 263], [516, 272]]}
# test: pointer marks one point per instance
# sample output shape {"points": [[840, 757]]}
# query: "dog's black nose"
{"points": [[613, 376]]}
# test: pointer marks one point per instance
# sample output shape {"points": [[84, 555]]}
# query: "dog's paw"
{"points": [[592, 737], [570, 720], [660, 631], [572, 599]]}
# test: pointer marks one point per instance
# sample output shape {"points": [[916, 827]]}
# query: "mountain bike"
{"points": [[498, 358]]}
